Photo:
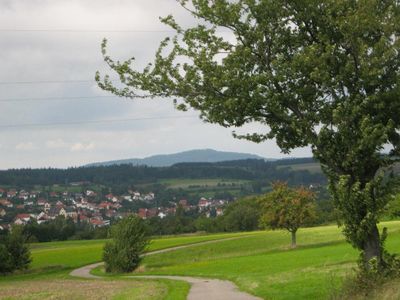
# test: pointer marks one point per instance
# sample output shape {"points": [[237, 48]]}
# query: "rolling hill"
{"points": [[166, 160]]}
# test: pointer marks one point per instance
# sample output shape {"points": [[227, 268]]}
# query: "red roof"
{"points": [[23, 216], [96, 222]]}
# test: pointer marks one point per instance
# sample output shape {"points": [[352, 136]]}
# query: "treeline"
{"points": [[61, 229], [126, 175]]}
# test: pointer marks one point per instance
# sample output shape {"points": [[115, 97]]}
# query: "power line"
{"points": [[45, 81], [56, 98], [88, 30], [54, 124]]}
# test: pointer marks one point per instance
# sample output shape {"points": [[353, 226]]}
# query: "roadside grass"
{"points": [[265, 266]]}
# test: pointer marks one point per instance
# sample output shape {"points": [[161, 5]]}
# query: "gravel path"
{"points": [[201, 288]]}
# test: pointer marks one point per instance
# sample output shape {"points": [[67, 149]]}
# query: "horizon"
{"points": [[53, 113], [88, 164]]}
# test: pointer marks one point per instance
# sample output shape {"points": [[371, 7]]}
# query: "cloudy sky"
{"points": [[49, 53]]}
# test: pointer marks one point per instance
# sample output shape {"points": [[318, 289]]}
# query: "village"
{"points": [[21, 207]]}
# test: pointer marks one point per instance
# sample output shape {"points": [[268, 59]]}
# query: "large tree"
{"points": [[323, 74]]}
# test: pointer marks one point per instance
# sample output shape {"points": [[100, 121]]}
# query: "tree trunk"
{"points": [[293, 238], [372, 246]]}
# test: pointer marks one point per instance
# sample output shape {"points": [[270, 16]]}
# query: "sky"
{"points": [[52, 112]]}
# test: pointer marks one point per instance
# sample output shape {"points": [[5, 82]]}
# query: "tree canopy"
{"points": [[323, 74], [287, 208]]}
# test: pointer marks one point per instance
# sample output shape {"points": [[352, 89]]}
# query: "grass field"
{"points": [[311, 167], [72, 254], [52, 262], [208, 182], [260, 263], [263, 265]]}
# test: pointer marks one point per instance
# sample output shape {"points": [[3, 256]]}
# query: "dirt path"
{"points": [[201, 288]]}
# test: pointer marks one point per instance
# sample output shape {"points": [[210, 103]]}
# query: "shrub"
{"points": [[14, 253], [129, 240]]}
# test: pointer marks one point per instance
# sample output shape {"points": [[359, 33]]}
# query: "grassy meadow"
{"points": [[264, 265], [261, 263]]}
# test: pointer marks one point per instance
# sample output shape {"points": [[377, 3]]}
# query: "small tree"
{"points": [[14, 253], [129, 239], [287, 208]]}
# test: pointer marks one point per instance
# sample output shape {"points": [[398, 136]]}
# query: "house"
{"points": [[42, 217], [22, 219], [90, 193], [127, 197], [219, 211], [83, 218], [53, 195], [71, 212], [2, 212], [142, 213], [203, 204], [161, 215], [41, 202], [11, 193], [56, 211], [4, 227], [105, 205], [96, 222], [6, 203], [110, 213], [33, 195], [28, 202], [20, 206], [23, 195], [47, 206]]}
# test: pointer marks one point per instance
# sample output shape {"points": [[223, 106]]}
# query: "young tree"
{"points": [[14, 253], [287, 208], [129, 239], [323, 74]]}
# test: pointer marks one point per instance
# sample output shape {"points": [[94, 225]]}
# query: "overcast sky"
{"points": [[59, 40]]}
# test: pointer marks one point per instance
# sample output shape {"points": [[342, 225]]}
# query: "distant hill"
{"points": [[166, 160]]}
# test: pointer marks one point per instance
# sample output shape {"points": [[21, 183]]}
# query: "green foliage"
{"points": [[14, 253], [320, 74], [6, 261], [129, 240], [287, 208], [241, 215]]}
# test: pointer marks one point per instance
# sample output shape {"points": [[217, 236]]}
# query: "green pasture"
{"points": [[311, 167], [206, 182], [264, 265]]}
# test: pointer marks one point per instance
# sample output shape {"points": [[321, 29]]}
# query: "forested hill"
{"points": [[166, 160], [251, 169]]}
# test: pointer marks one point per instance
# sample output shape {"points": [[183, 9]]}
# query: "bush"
{"points": [[129, 240], [14, 253]]}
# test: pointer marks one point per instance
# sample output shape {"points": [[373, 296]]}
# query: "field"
{"points": [[201, 183], [260, 263], [311, 167]]}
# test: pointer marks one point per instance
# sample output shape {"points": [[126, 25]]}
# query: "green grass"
{"points": [[206, 182], [311, 167], [263, 265], [73, 254], [260, 262]]}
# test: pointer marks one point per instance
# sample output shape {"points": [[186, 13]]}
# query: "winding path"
{"points": [[201, 288]]}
